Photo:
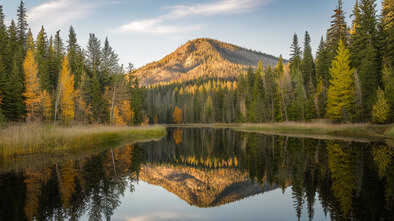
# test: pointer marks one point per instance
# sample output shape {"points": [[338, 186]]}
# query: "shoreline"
{"points": [[361, 132], [29, 139]]}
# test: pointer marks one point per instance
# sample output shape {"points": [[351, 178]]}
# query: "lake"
{"points": [[206, 174]]}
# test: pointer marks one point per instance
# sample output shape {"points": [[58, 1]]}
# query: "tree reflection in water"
{"points": [[206, 168]]}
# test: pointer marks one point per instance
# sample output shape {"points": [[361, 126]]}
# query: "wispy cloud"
{"points": [[156, 26], [56, 13]]}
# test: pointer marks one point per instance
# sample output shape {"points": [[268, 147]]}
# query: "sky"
{"points": [[143, 31]]}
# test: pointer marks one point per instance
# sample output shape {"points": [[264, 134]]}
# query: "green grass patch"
{"points": [[21, 139]]}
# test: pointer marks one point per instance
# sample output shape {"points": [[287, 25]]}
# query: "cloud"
{"points": [[159, 216], [56, 13], [155, 26], [220, 7]]}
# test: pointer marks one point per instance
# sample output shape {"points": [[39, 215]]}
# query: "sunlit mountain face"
{"points": [[201, 58], [207, 168]]}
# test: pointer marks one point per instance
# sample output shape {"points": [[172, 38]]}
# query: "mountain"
{"points": [[202, 57], [203, 188]]}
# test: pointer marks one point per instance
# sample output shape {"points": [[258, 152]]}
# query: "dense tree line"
{"points": [[351, 79], [45, 79]]}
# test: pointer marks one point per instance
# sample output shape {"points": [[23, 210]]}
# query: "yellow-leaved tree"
{"points": [[126, 111], [32, 85], [381, 109], [340, 100], [66, 92], [177, 115], [46, 105]]}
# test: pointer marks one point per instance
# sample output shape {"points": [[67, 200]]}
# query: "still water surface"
{"points": [[208, 174]]}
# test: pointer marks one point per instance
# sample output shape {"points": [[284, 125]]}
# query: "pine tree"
{"points": [[295, 56], [109, 62], [67, 93], [32, 85], [340, 102], [96, 98], [388, 79], [56, 58], [337, 31], [308, 66], [42, 59], [13, 106], [322, 63], [3, 52], [94, 57], [381, 109], [22, 24], [75, 56], [388, 33], [364, 51]]}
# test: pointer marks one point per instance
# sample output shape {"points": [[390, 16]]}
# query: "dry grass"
{"points": [[341, 130], [38, 138]]}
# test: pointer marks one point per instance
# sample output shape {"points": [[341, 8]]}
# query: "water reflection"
{"points": [[69, 189], [207, 168]]}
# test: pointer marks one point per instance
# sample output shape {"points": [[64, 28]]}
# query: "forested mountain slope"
{"points": [[202, 58]]}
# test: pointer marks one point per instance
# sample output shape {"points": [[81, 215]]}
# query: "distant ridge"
{"points": [[202, 57]]}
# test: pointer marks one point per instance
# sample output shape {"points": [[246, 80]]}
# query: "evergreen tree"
{"points": [[388, 33], [57, 57], [322, 62], [3, 52], [22, 24], [75, 56], [13, 106], [295, 56], [338, 31], [42, 59], [97, 100], [109, 62], [308, 66], [94, 57], [340, 102], [365, 54]]}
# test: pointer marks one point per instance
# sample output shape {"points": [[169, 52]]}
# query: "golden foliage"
{"points": [[46, 105], [177, 115], [34, 181], [382, 155], [178, 135], [32, 84], [83, 111], [126, 111], [341, 162], [67, 182], [117, 117], [381, 109], [66, 84]]}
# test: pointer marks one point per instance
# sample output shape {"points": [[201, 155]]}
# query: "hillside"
{"points": [[202, 58], [203, 188]]}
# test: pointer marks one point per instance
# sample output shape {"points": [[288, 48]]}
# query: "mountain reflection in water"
{"points": [[208, 168]]}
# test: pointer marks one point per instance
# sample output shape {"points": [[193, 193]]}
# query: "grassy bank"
{"points": [[367, 131], [38, 138]]}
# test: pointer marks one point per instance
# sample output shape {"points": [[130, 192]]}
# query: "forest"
{"points": [[43, 79], [350, 79]]}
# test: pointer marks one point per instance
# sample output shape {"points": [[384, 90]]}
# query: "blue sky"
{"points": [[142, 31]]}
